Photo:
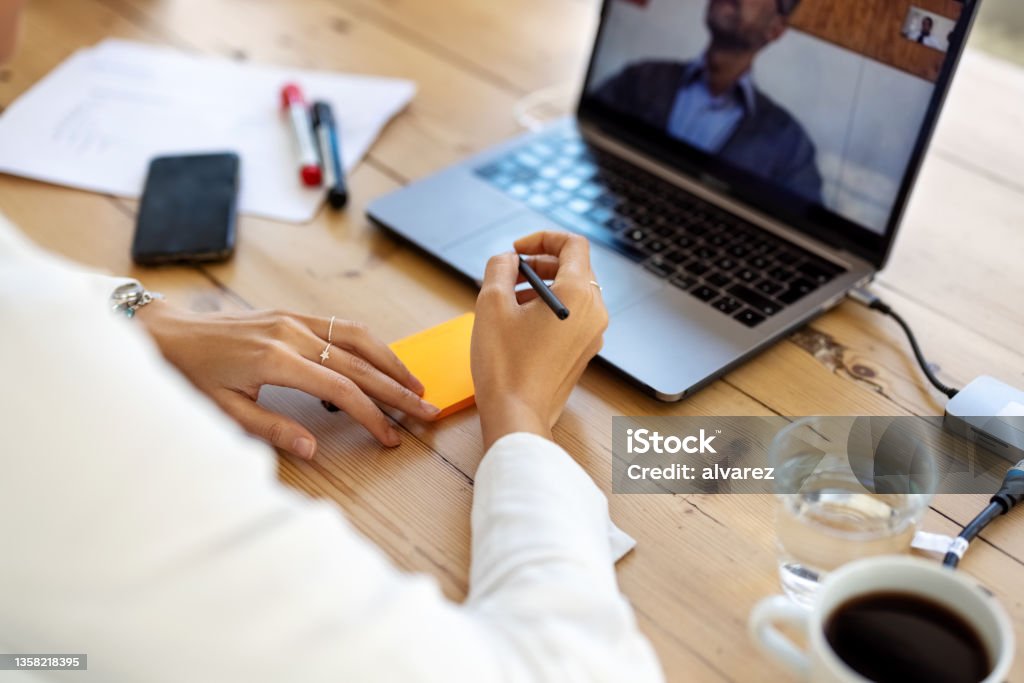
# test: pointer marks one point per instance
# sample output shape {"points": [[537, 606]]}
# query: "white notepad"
{"points": [[96, 120]]}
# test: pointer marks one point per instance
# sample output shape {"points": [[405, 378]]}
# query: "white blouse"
{"points": [[140, 526]]}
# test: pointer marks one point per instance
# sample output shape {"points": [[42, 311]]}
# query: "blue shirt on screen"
{"points": [[703, 119]]}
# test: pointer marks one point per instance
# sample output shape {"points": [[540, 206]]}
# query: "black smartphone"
{"points": [[188, 210]]}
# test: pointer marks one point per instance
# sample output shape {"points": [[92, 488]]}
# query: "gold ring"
{"points": [[326, 353]]}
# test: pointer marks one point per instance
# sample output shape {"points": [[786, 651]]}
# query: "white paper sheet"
{"points": [[97, 119]]}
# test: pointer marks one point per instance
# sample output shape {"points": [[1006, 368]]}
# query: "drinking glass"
{"points": [[847, 488]]}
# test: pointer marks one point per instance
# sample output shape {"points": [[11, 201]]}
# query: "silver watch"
{"points": [[130, 297]]}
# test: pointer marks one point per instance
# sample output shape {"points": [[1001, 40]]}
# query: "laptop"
{"points": [[737, 165]]}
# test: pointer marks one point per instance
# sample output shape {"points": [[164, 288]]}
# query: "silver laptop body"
{"points": [[699, 272]]}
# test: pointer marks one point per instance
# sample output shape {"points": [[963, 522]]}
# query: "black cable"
{"points": [[873, 302], [1012, 490], [947, 390], [1009, 494], [1005, 499]]}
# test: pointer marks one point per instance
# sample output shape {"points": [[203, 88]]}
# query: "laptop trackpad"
{"points": [[622, 282]]}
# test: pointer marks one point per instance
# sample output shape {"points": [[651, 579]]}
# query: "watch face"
{"points": [[126, 294]]}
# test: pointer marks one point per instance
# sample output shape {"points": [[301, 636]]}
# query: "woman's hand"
{"points": [[230, 357], [525, 360]]}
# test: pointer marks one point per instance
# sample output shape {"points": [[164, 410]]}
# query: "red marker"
{"points": [[302, 127]]}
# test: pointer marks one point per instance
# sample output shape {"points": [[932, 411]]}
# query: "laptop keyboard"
{"points": [[731, 265]]}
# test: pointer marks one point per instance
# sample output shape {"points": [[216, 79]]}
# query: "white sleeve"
{"points": [[143, 528], [542, 571]]}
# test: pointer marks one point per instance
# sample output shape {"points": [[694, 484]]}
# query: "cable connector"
{"points": [[1012, 490], [866, 298], [1005, 499]]}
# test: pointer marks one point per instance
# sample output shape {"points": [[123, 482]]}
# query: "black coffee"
{"points": [[902, 638]]}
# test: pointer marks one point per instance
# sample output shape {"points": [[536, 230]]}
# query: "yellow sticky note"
{"points": [[439, 357]]}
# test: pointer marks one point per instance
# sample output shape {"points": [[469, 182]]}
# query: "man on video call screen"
{"points": [[712, 102], [822, 100]]}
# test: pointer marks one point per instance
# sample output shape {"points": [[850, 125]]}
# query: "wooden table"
{"points": [[702, 560]]}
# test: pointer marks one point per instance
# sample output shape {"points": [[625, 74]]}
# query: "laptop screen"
{"points": [[810, 108]]}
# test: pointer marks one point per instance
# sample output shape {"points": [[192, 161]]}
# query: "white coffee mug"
{"points": [[890, 573]]}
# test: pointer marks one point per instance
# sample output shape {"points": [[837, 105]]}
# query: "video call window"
{"points": [[822, 98], [928, 28]]}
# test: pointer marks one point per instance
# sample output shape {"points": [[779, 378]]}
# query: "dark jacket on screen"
{"points": [[768, 141]]}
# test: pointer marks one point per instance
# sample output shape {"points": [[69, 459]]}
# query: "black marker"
{"points": [[542, 289], [329, 143]]}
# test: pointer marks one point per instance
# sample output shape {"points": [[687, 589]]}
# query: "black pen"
{"points": [[542, 289], [329, 142]]}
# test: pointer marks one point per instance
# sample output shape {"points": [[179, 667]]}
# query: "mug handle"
{"points": [[763, 619]]}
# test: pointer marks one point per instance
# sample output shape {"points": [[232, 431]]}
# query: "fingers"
{"points": [[355, 337], [573, 251], [328, 385], [277, 430], [545, 265], [359, 340], [378, 385], [525, 296], [500, 278], [544, 242], [573, 277]]}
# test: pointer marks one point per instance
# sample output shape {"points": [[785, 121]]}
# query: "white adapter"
{"points": [[990, 413]]}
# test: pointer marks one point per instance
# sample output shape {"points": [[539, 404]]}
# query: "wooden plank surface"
{"points": [[703, 560]]}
